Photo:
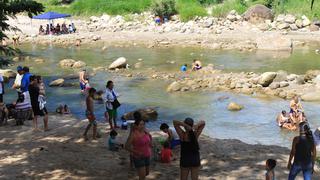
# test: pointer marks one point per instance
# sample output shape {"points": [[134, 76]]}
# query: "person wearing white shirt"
{"points": [[17, 82], [111, 102]]}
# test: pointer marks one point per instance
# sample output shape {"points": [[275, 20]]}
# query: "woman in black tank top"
{"points": [[189, 155], [304, 153]]}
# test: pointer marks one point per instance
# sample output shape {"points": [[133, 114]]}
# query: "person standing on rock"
{"points": [[83, 80], [90, 114], [34, 92], [25, 81], [112, 104], [189, 153], [303, 152], [17, 82]]}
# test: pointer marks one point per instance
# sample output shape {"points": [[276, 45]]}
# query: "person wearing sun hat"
{"points": [[17, 82]]}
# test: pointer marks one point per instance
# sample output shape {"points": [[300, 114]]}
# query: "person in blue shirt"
{"points": [[113, 143], [25, 81], [184, 68]]}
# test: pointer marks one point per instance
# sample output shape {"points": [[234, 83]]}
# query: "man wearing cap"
{"points": [[17, 82], [25, 79]]}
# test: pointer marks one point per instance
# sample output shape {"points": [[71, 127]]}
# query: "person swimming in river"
{"points": [[296, 110], [284, 121], [196, 65]]}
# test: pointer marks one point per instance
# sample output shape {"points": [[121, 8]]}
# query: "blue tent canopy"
{"points": [[51, 15]]}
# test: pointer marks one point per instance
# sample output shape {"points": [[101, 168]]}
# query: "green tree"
{"points": [[10, 8]]}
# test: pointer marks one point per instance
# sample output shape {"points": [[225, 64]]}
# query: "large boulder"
{"points": [[67, 62], [267, 78], [258, 14], [311, 96], [147, 114], [8, 73], [119, 63], [58, 82], [79, 64], [274, 42], [234, 107], [175, 86], [311, 74], [281, 76]]}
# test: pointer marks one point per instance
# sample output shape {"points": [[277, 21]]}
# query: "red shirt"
{"points": [[166, 155]]}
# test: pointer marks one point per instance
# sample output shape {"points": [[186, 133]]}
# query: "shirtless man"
{"points": [[296, 110], [83, 80], [90, 115], [284, 121]]}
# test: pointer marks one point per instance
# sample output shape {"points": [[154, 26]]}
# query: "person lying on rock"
{"points": [[296, 110], [284, 121]]}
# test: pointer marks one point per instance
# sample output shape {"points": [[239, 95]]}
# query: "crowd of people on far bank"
{"points": [[56, 30]]}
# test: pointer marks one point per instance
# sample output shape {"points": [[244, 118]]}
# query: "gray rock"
{"points": [[311, 74], [79, 64], [147, 114], [258, 14], [280, 18], [314, 28], [290, 19], [283, 26], [175, 86], [299, 80], [292, 77], [284, 84], [267, 78], [293, 27], [8, 73], [118, 63], [67, 62], [305, 21], [311, 96], [274, 85], [234, 107], [299, 23], [57, 82], [281, 76]]}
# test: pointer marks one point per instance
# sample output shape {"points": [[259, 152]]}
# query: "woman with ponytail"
{"points": [[304, 153], [190, 155]]}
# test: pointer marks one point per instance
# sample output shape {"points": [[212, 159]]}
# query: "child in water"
{"points": [[166, 153], [113, 144], [270, 165]]}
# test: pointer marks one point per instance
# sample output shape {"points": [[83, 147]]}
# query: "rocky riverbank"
{"points": [[256, 29]]}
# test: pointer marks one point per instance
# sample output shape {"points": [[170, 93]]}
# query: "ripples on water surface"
{"points": [[254, 124]]}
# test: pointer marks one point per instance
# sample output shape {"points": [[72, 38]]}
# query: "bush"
{"points": [[207, 2], [222, 10], [189, 9], [54, 2], [164, 8]]}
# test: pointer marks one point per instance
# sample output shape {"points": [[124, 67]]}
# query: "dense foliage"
{"points": [[164, 8], [9, 8]]}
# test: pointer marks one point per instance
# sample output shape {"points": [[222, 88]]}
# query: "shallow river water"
{"points": [[254, 124]]}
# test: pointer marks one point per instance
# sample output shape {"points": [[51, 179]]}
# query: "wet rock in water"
{"points": [[234, 107], [274, 42], [39, 60], [67, 62], [258, 14], [57, 82], [8, 73], [311, 96], [79, 64], [267, 78], [138, 65], [284, 84], [311, 74], [147, 114], [281, 76], [175, 86], [119, 63], [274, 85]]}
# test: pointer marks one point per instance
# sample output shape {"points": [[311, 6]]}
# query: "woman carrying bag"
{"points": [[112, 104]]}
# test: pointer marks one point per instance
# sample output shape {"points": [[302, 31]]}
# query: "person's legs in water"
{"points": [[195, 173], [184, 173], [294, 171]]}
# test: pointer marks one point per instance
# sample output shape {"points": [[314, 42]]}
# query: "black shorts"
{"points": [[141, 162], [1, 98]]}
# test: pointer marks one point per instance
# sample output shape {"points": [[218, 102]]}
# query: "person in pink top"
{"points": [[139, 144]]}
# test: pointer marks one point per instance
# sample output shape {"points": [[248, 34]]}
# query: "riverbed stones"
{"points": [[234, 107], [274, 85], [311, 96], [58, 82], [121, 62], [147, 114], [313, 28], [311, 74], [289, 18], [67, 62], [8, 73], [283, 26], [305, 21], [175, 86], [258, 14], [79, 64], [284, 84], [267, 78]]}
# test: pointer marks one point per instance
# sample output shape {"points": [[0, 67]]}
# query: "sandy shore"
{"points": [[62, 154]]}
